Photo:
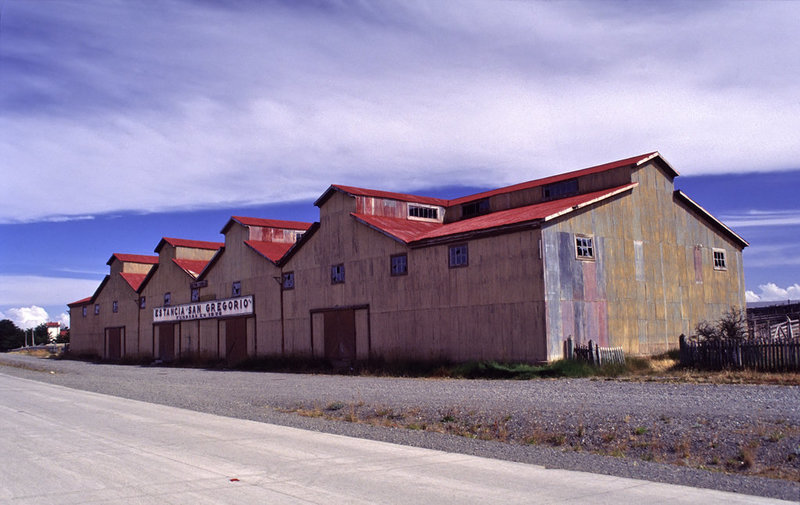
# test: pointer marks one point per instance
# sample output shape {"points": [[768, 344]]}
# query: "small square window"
{"points": [[142, 302], [584, 247], [337, 274], [720, 262], [195, 294], [399, 264], [96, 309], [84, 311], [167, 299], [236, 289], [288, 280], [114, 306], [459, 256]]}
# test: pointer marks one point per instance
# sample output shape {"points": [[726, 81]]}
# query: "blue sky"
{"points": [[121, 122]]}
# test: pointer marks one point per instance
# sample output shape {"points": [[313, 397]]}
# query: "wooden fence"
{"points": [[767, 355], [593, 354]]}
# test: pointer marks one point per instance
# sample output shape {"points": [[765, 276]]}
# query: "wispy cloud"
{"points": [[761, 218], [167, 105], [19, 290]]}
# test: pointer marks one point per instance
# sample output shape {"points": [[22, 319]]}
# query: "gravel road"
{"points": [[655, 431]]}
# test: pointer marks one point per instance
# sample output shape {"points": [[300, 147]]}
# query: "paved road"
{"points": [[68, 447]]}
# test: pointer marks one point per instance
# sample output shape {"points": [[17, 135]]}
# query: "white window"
{"points": [[236, 289], [195, 294], [584, 247], [459, 256], [423, 212], [142, 302], [114, 306], [84, 311], [167, 299], [96, 309], [720, 262]]}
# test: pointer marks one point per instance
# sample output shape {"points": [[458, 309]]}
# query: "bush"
{"points": [[732, 326]]}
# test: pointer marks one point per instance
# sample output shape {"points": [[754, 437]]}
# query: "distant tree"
{"points": [[11, 336], [40, 335]]}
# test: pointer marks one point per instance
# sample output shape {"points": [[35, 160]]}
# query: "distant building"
{"points": [[771, 320], [53, 330], [610, 253]]}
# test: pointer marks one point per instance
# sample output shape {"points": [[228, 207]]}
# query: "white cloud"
{"points": [[177, 106], [63, 318], [17, 290], [771, 292], [28, 317]]}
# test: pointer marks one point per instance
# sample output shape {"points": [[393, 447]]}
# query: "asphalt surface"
{"points": [[260, 397], [73, 447]]}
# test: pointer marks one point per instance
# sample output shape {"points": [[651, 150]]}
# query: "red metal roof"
{"points": [[194, 244], [53, 325], [351, 190], [267, 223], [632, 161], [636, 160], [191, 267], [133, 280], [405, 230], [134, 258], [273, 251], [82, 301], [414, 231]]}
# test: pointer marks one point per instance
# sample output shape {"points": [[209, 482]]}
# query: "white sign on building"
{"points": [[240, 306]]}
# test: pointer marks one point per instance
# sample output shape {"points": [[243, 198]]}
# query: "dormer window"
{"points": [[560, 189], [473, 209], [423, 212]]}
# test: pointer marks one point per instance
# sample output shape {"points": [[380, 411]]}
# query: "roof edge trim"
{"points": [[700, 210]]}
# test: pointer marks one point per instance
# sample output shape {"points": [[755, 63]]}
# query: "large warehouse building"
{"points": [[610, 253]]}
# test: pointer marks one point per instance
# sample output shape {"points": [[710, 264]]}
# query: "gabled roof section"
{"points": [[680, 195], [300, 243], [632, 162], [403, 197], [133, 280], [192, 267], [82, 301], [266, 223], [194, 244], [100, 287], [133, 258], [419, 232], [273, 251]]}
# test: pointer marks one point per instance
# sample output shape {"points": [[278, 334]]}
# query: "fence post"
{"points": [[570, 350]]}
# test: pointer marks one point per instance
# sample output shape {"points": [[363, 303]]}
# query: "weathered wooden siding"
{"points": [[491, 309], [643, 289], [257, 277], [168, 278]]}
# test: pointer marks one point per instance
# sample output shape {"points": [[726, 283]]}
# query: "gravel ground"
{"points": [[728, 437]]}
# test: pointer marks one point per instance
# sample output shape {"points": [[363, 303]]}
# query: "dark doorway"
{"points": [[114, 344], [236, 340], [340, 336], [166, 342]]}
